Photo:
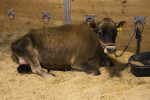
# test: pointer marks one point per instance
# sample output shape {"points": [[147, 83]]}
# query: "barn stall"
{"points": [[116, 83]]}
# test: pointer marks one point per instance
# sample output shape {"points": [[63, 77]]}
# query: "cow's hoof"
{"points": [[97, 73], [48, 70], [53, 75], [49, 75], [24, 68], [110, 64]]}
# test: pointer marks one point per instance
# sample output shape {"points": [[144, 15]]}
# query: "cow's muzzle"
{"points": [[109, 48]]}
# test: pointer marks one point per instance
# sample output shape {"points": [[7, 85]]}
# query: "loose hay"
{"points": [[137, 63], [115, 83]]}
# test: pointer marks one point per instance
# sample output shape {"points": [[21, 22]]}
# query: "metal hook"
{"points": [[89, 18], [46, 15], [11, 14], [139, 19]]}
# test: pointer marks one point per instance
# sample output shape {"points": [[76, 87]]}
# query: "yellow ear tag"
{"points": [[119, 30]]}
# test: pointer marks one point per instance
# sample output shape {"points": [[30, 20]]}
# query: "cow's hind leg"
{"points": [[24, 49], [24, 67], [15, 58], [86, 67], [33, 59]]}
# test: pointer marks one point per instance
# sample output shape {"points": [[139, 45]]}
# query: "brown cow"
{"points": [[77, 46]]}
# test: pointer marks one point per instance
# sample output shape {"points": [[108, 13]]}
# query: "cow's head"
{"points": [[107, 31]]}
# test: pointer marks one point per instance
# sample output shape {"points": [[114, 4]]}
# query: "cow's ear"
{"points": [[121, 24], [93, 25]]}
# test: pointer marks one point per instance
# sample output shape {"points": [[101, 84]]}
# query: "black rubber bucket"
{"points": [[143, 69]]}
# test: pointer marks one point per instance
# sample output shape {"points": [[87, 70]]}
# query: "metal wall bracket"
{"points": [[11, 14], [89, 18], [139, 19], [46, 17]]}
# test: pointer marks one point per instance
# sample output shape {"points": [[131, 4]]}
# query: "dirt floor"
{"points": [[115, 83]]}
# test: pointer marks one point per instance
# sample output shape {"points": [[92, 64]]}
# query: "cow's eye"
{"points": [[100, 32]]}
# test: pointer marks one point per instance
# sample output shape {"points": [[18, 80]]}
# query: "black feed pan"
{"points": [[142, 68]]}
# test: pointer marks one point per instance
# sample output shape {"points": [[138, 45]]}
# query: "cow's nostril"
{"points": [[108, 49]]}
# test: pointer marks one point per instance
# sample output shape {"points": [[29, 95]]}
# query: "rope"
{"points": [[138, 37]]}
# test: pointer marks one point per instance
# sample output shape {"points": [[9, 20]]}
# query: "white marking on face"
{"points": [[109, 49]]}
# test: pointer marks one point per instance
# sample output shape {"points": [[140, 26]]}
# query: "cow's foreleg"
{"points": [[106, 61], [86, 67]]}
